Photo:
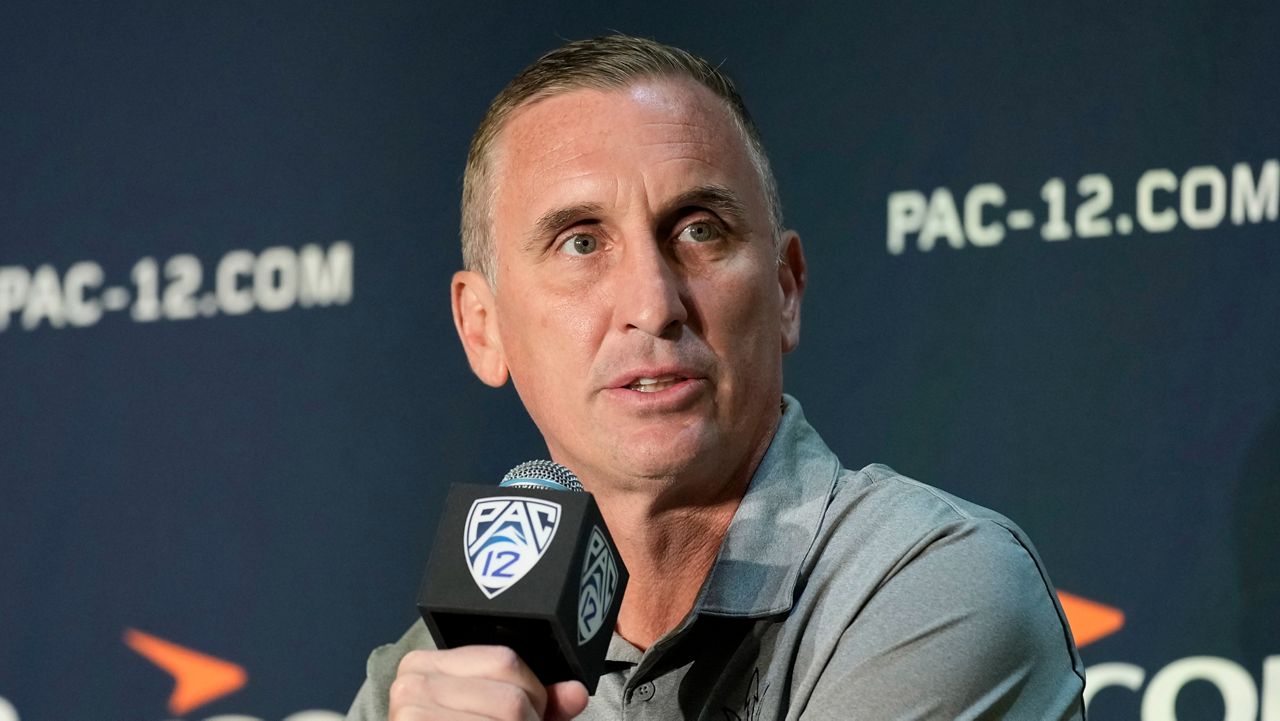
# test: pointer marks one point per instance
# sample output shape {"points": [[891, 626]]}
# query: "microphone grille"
{"points": [[546, 475]]}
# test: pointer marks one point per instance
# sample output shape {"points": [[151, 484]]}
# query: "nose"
{"points": [[650, 296]]}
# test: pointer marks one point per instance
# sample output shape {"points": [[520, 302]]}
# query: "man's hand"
{"points": [[479, 682]]}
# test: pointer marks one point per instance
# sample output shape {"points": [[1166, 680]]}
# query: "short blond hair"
{"points": [[604, 63]]}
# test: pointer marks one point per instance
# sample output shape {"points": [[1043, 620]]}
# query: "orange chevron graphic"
{"points": [[1090, 620], [198, 678]]}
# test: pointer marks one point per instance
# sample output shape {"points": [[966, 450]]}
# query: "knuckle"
{"points": [[506, 659], [411, 660], [409, 687], [511, 703]]}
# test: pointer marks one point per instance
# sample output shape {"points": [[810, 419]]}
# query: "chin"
{"points": [[661, 461]]}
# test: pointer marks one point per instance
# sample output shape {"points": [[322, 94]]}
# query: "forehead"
{"points": [[650, 139]]}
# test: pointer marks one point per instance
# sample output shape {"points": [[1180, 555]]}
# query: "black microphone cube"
{"points": [[534, 570]]}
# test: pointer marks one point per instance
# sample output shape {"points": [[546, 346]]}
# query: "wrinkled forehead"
{"points": [[589, 116], [585, 142]]}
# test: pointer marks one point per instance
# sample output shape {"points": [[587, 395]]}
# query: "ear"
{"points": [[476, 318], [792, 277]]}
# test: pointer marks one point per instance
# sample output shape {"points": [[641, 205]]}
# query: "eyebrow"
{"points": [[714, 197], [553, 220], [718, 198]]}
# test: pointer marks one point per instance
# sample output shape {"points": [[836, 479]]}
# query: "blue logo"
{"points": [[505, 539], [599, 583]]}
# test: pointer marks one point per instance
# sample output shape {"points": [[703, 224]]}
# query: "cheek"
{"points": [[573, 320], [744, 306], [548, 335]]}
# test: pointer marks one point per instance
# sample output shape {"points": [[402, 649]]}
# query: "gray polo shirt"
{"points": [[841, 594]]}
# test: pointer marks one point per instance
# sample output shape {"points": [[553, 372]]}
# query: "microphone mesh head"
{"points": [[541, 474]]}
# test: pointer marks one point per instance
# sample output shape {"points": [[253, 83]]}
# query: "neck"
{"points": [[669, 554], [668, 532]]}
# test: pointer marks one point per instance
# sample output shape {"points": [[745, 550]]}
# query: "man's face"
{"points": [[640, 307]]}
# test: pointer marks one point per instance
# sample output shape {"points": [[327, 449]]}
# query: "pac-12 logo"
{"points": [[505, 539], [599, 583]]}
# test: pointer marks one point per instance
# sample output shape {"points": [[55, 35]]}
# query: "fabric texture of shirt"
{"points": [[841, 594]]}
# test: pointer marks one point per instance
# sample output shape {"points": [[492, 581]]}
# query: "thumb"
{"points": [[565, 700]]}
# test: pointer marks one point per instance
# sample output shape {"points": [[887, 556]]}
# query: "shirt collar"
{"points": [[775, 526]]}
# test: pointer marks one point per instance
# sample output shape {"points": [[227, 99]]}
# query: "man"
{"points": [[627, 268]]}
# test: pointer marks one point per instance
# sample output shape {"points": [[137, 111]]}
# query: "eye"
{"points": [[580, 244], [700, 232]]}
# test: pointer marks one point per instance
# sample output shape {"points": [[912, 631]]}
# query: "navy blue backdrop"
{"points": [[1044, 265]]}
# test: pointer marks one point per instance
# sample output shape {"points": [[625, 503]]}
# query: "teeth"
{"points": [[653, 385]]}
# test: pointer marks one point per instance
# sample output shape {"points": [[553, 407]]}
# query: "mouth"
{"points": [[654, 385]]}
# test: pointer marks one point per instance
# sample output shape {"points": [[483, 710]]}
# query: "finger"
{"points": [[431, 712], [566, 700], [449, 696], [497, 663]]}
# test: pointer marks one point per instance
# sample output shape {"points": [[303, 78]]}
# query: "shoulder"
{"points": [[879, 486], [887, 520], [912, 580], [883, 527]]}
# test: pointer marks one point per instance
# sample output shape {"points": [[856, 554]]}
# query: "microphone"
{"points": [[529, 565]]}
